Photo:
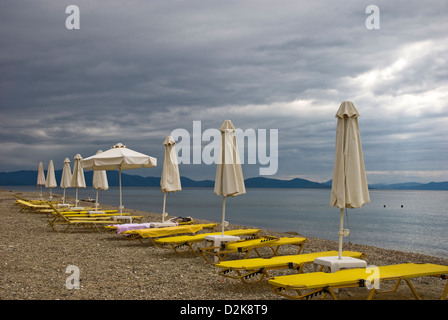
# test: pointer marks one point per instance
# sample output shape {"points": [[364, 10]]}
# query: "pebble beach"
{"points": [[34, 261]]}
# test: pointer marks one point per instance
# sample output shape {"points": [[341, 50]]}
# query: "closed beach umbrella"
{"points": [[51, 179], [40, 177], [99, 182], [78, 180], [170, 180], [349, 187], [121, 158], [229, 181], [66, 177]]}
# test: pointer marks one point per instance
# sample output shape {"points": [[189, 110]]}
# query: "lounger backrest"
{"points": [[58, 213]]}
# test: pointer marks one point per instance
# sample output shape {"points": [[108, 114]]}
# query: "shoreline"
{"points": [[35, 259]]}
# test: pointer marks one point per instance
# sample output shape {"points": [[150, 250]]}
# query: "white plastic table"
{"points": [[219, 239], [116, 218], [336, 264], [95, 212], [163, 224]]}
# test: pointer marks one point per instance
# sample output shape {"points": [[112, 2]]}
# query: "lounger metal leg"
{"points": [[445, 292], [245, 276], [303, 296], [412, 288], [96, 227], [397, 284]]}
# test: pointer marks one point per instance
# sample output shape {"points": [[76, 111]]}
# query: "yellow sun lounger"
{"points": [[31, 207], [66, 211], [110, 216], [179, 242], [76, 222], [153, 233], [136, 226], [249, 245], [291, 286], [73, 216], [254, 270], [35, 201]]}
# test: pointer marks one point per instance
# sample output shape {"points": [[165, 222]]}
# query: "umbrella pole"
{"points": [[223, 214], [63, 198], [96, 201], [163, 211], [119, 179], [76, 201], [341, 224], [51, 194]]}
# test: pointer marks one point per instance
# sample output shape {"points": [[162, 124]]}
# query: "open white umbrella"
{"points": [[40, 177], [170, 180], [78, 180], [121, 158], [349, 187], [51, 179], [66, 177], [99, 181], [229, 181]]}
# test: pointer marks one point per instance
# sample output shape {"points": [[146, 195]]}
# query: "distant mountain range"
{"points": [[29, 178]]}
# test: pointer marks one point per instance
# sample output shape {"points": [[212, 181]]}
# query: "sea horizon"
{"points": [[28, 178]]}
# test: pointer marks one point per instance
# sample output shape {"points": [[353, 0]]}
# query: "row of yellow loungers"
{"points": [[309, 285], [179, 243], [153, 234], [27, 206], [43, 206], [163, 237], [306, 285], [27, 201], [296, 286], [256, 269], [76, 220], [246, 246]]}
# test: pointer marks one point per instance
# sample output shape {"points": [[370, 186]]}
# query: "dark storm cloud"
{"points": [[137, 70]]}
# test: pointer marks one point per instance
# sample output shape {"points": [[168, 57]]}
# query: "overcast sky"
{"points": [[138, 69]]}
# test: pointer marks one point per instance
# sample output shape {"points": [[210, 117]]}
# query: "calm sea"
{"points": [[413, 221]]}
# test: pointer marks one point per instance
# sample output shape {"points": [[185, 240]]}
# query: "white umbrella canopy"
{"points": [[78, 180], [51, 179], [170, 180], [99, 181], [40, 177], [66, 177], [349, 187], [119, 157], [229, 181]]}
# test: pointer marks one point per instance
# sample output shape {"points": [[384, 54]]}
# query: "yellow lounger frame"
{"points": [[113, 228], [246, 246], [76, 222], [320, 283], [256, 269], [155, 233], [180, 242]]}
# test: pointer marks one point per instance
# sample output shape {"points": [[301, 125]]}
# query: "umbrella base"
{"points": [[335, 263]]}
